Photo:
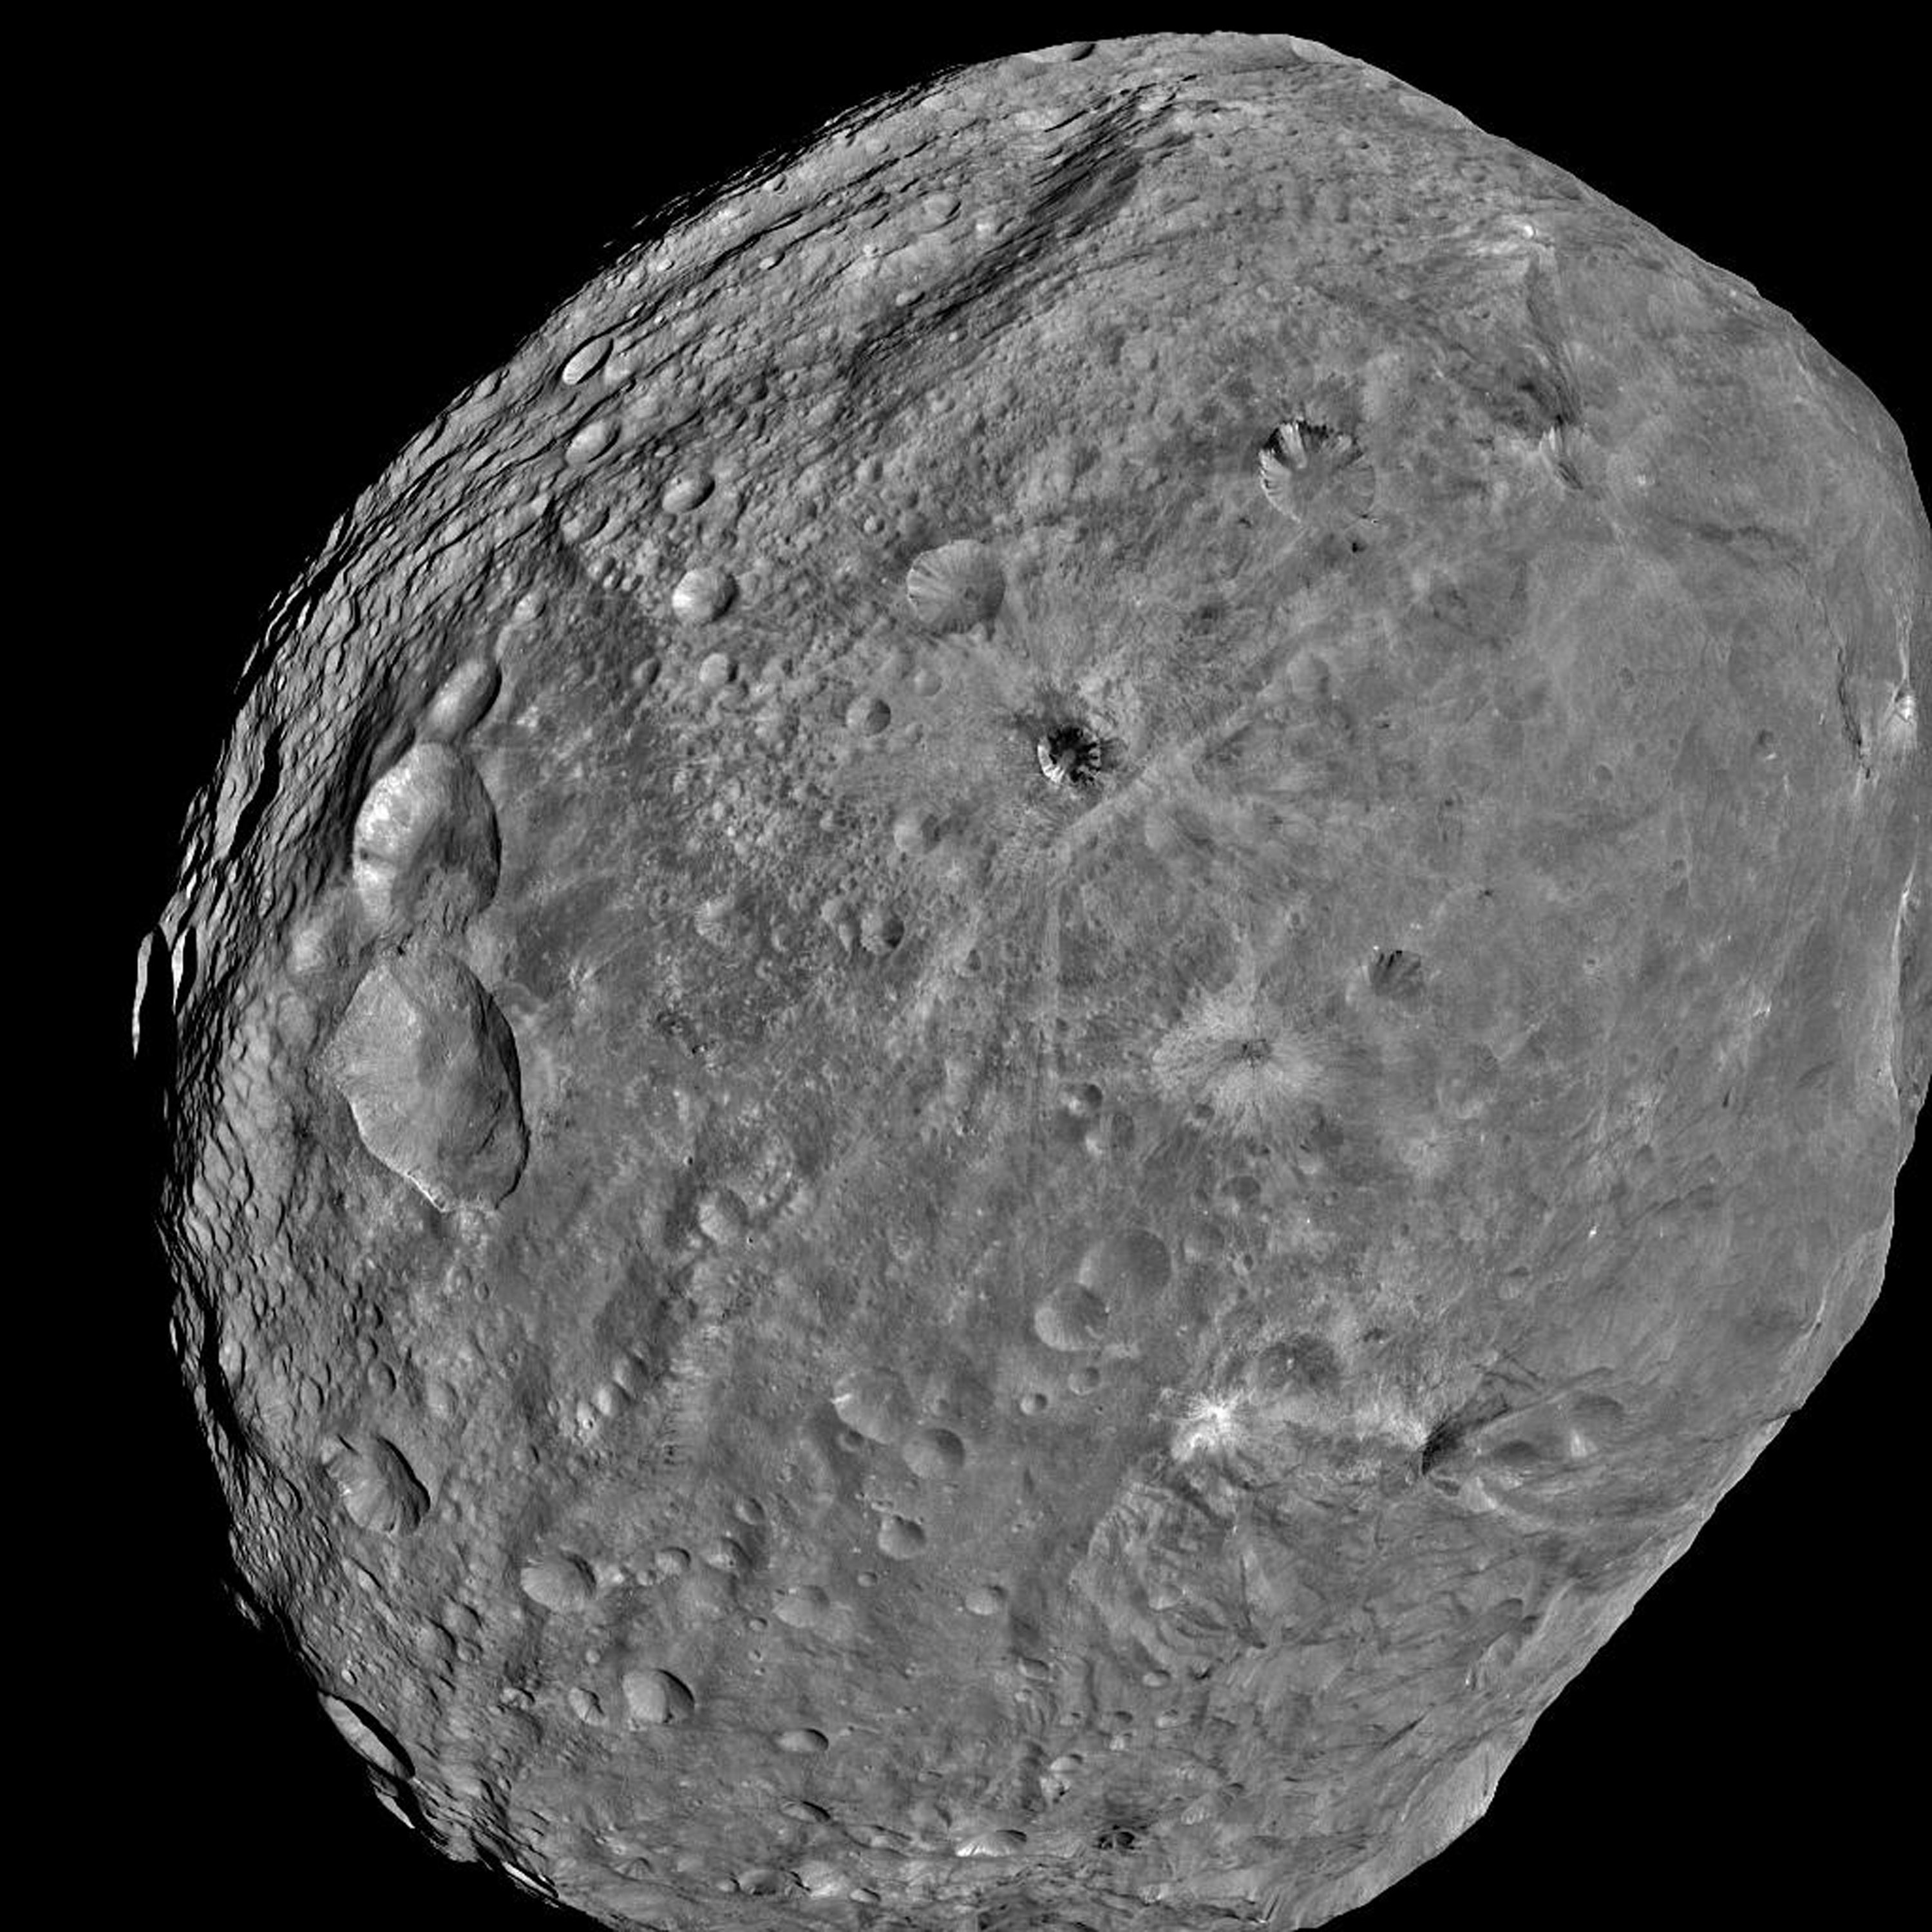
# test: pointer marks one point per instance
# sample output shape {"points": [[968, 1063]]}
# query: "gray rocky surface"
{"points": [[1142, 1220]]}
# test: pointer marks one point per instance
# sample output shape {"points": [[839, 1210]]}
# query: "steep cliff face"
{"points": [[1021, 1027]]}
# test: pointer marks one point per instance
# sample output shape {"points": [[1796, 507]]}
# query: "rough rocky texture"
{"points": [[1142, 1221]]}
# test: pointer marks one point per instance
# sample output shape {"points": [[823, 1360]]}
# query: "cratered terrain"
{"points": [[1021, 1027]]}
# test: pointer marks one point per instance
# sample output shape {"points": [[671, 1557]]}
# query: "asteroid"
{"points": [[1030, 1020]]}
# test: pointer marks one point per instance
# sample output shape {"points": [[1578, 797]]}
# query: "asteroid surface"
{"points": [[1023, 1027]]}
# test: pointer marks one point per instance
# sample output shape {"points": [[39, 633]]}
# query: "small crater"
{"points": [[901, 1537], [762, 1883], [1396, 975], [591, 442], [670, 1024], [1298, 443], [378, 1489], [956, 587], [1303, 1361], [721, 1218], [584, 361], [915, 831], [426, 848], [1128, 1263], [1069, 754], [803, 1607], [1004, 1844], [728, 1557], [1600, 1412], [703, 596], [1071, 1319], [685, 492], [561, 1583], [729, 923], [934, 1453], [1113, 1134], [658, 1697], [1311, 458], [881, 929], [874, 1404], [1082, 1100], [462, 700]]}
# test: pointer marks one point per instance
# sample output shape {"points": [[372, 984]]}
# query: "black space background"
{"points": [[316, 234]]}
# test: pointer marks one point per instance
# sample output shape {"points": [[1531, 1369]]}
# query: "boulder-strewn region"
{"points": [[1021, 1027]]}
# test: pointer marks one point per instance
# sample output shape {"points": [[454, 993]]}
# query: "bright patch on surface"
{"points": [[1237, 1051]]}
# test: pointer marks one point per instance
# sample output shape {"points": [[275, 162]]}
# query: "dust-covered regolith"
{"points": [[1020, 1028]]}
